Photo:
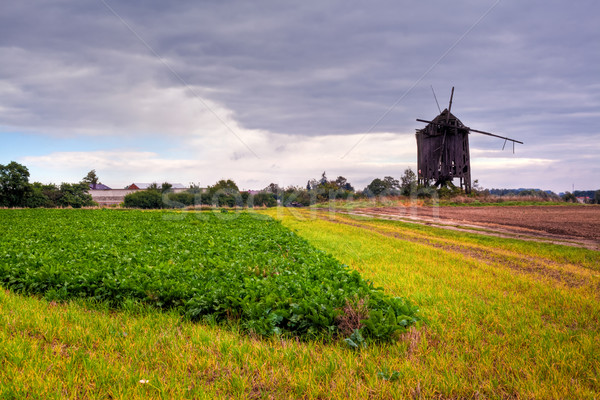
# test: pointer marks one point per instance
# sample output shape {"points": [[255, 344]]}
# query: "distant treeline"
{"points": [[16, 191], [543, 194], [585, 193], [226, 193], [590, 196]]}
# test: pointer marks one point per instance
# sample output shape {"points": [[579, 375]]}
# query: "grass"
{"points": [[456, 201], [503, 319]]}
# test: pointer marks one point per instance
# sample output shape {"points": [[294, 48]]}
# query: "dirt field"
{"points": [[580, 223]]}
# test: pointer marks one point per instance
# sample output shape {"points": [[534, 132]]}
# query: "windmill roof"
{"points": [[444, 115]]}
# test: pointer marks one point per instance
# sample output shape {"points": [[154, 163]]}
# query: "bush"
{"points": [[183, 199], [146, 199]]}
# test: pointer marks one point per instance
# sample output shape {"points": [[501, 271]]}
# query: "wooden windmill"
{"points": [[443, 150]]}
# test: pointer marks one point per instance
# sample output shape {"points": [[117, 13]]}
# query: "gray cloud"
{"points": [[528, 70]]}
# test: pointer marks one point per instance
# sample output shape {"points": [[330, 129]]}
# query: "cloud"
{"points": [[285, 159], [507, 163], [286, 89]]}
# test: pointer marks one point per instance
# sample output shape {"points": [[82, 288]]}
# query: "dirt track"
{"points": [[579, 223]]}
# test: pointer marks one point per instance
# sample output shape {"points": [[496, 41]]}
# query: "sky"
{"points": [[275, 91]]}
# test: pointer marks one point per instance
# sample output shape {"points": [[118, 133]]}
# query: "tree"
{"points": [[166, 187], [597, 197], [323, 179], [409, 182], [195, 188], [14, 184], [91, 179], [153, 187], [43, 195], [272, 188], [75, 195], [569, 197], [342, 183], [225, 193], [376, 187], [227, 186], [385, 186], [391, 183]]}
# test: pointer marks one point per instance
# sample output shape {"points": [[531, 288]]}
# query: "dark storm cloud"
{"points": [[293, 68]]}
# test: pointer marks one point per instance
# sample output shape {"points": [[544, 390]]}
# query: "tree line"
{"points": [[17, 191], [226, 193]]}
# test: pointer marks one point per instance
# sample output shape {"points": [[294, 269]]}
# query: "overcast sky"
{"points": [[272, 91]]}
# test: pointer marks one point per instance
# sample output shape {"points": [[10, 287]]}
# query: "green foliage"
{"points": [[449, 190], [147, 199], [182, 199], [263, 199], [321, 190], [569, 197], [165, 187], [273, 188], [16, 191], [74, 195], [224, 186], [195, 189], [297, 196], [542, 194], [409, 182], [356, 340], [388, 186], [225, 193], [42, 196], [91, 179], [343, 184], [14, 185], [219, 267], [386, 375]]}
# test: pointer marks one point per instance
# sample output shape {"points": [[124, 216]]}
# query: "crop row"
{"points": [[243, 268]]}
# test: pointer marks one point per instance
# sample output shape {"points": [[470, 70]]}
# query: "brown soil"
{"points": [[579, 223]]}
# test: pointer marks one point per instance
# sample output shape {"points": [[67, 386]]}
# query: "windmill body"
{"points": [[443, 150]]}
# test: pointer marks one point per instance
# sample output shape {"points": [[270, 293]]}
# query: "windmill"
{"points": [[443, 150]]}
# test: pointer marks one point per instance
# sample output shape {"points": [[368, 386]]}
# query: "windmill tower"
{"points": [[443, 150]]}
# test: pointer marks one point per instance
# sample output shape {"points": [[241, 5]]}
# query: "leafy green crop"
{"points": [[236, 267]]}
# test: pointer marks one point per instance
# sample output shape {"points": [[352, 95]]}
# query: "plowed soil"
{"points": [[565, 222]]}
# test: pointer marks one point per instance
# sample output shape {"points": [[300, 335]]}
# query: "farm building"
{"points": [[98, 186], [144, 186], [105, 196]]}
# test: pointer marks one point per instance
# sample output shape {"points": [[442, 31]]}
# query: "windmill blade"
{"points": [[470, 130], [450, 106], [436, 102], [491, 134]]}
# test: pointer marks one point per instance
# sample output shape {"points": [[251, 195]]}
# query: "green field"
{"points": [[500, 318]]}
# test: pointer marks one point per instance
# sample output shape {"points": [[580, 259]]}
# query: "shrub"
{"points": [[144, 199]]}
